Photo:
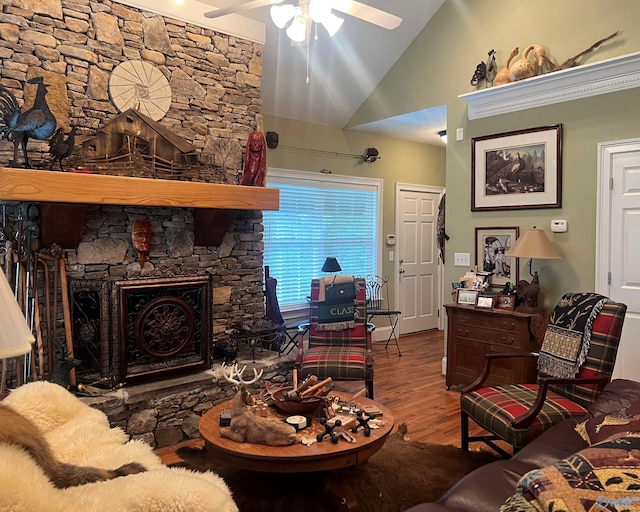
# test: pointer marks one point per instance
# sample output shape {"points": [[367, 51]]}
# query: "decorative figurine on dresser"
{"points": [[473, 332]]}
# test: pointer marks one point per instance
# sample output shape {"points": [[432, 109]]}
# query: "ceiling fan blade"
{"points": [[243, 6], [367, 13]]}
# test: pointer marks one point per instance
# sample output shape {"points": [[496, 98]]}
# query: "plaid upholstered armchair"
{"points": [[518, 413], [339, 344]]}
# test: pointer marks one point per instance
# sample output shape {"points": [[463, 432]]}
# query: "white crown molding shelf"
{"points": [[602, 77]]}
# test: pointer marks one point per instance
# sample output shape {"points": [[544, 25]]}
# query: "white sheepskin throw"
{"points": [[79, 434]]}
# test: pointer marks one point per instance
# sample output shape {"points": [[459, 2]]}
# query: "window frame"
{"points": [[300, 178]]}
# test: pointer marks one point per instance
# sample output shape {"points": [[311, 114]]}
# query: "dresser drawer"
{"points": [[491, 337], [478, 320]]}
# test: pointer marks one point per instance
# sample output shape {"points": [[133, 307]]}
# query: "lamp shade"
{"points": [[15, 335], [331, 265], [282, 14], [533, 244], [297, 31]]}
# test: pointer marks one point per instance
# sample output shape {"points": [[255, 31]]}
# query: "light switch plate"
{"points": [[462, 259]]}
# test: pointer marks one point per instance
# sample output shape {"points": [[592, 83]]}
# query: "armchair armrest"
{"points": [[527, 418], [302, 329], [477, 384], [369, 357]]}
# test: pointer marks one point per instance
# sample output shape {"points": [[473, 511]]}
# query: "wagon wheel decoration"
{"points": [[140, 86]]}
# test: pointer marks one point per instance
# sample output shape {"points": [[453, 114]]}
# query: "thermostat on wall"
{"points": [[559, 226], [391, 239]]}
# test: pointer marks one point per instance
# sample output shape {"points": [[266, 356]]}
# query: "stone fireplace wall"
{"points": [[214, 78]]}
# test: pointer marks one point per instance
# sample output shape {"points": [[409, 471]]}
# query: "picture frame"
{"points": [[504, 301], [491, 245], [517, 170], [485, 301], [468, 297]]}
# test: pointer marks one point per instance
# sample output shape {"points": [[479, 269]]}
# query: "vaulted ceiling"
{"points": [[342, 71]]}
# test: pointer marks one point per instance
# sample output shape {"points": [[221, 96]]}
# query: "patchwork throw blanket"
{"points": [[568, 336], [336, 304], [602, 477]]}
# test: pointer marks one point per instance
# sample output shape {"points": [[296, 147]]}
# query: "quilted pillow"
{"points": [[598, 478], [614, 424]]}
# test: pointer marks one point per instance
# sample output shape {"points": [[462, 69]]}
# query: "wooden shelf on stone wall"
{"points": [[64, 193]]}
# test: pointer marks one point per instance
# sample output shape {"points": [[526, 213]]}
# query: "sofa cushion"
{"points": [[617, 394], [615, 424], [486, 488], [553, 445]]}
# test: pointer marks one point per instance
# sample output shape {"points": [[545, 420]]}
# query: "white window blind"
{"points": [[319, 217]]}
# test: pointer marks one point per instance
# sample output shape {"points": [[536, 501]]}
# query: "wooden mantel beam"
{"points": [[68, 187]]}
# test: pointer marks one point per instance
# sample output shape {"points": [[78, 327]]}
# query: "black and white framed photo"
{"points": [[517, 170], [491, 247]]}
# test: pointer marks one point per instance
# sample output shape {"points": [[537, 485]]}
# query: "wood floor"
{"points": [[412, 386]]}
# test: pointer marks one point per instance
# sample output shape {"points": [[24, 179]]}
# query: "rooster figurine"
{"points": [[16, 126], [61, 147]]}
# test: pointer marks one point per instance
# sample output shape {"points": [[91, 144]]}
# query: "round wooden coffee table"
{"points": [[324, 457], [320, 456]]}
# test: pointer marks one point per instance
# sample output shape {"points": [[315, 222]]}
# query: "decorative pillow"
{"points": [[614, 424], [598, 478]]}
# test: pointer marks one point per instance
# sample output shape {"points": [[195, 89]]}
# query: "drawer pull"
{"points": [[508, 325], [463, 318], [507, 341], [463, 332]]}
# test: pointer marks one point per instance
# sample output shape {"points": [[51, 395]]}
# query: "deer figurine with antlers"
{"points": [[248, 427]]}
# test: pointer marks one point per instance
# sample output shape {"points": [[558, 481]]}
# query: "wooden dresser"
{"points": [[473, 332]]}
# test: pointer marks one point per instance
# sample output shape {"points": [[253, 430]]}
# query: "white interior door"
{"points": [[618, 243], [418, 282]]}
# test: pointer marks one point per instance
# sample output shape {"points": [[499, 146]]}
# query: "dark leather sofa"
{"points": [[488, 487]]}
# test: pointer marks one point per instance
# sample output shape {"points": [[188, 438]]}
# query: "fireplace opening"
{"points": [[162, 327]]}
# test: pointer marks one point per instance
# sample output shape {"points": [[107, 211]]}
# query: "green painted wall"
{"points": [[438, 66], [402, 161]]}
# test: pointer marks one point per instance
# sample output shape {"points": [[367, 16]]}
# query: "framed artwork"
{"points": [[491, 247], [505, 302], [467, 296], [517, 170], [485, 301]]}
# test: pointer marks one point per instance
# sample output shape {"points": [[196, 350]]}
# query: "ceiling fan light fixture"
{"points": [[297, 31], [319, 10], [282, 14], [332, 23]]}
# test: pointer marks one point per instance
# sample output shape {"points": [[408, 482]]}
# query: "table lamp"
{"points": [[532, 244], [331, 265]]}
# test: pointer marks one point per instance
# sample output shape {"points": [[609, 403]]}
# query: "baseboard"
{"points": [[444, 365]]}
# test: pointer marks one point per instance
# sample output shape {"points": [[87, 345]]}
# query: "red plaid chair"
{"points": [[518, 413], [343, 354]]}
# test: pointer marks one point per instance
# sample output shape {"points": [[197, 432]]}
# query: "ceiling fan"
{"points": [[305, 12]]}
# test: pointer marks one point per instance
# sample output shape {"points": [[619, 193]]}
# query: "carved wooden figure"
{"points": [[141, 237], [255, 163]]}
